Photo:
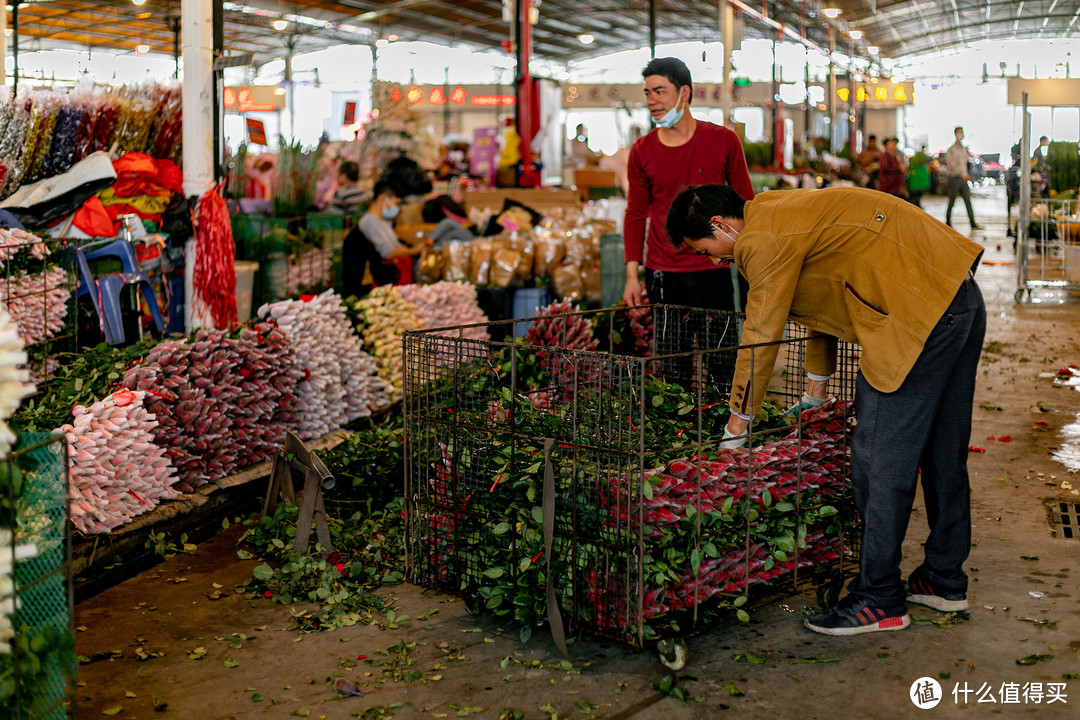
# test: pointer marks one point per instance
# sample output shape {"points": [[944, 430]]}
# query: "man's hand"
{"points": [[730, 441], [807, 402], [632, 293], [735, 432]]}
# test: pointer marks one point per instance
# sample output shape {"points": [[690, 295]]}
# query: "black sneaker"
{"points": [[854, 616], [921, 592]]}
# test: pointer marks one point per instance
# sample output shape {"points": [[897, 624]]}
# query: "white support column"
{"points": [[727, 90], [197, 37], [3, 48], [197, 33]]}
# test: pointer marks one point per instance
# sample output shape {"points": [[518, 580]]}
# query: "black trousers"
{"points": [[958, 186], [925, 424], [687, 331]]}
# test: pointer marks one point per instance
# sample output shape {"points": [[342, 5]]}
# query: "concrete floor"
{"points": [[168, 609]]}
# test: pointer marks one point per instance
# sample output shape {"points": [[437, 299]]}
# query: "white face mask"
{"points": [[671, 117], [732, 238]]}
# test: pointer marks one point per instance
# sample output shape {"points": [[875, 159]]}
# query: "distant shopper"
{"points": [[957, 177], [893, 170], [348, 196], [1038, 158], [681, 151], [869, 161], [1040, 166]]}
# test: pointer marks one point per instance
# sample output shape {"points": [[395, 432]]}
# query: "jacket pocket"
{"points": [[862, 311]]}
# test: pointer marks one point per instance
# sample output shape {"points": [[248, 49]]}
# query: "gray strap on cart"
{"points": [[558, 633]]}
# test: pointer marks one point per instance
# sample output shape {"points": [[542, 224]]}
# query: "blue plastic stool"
{"points": [[119, 249], [105, 293]]}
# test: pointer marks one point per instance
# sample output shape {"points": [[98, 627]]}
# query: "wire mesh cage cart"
{"points": [[37, 659], [37, 277], [575, 475], [1048, 246]]}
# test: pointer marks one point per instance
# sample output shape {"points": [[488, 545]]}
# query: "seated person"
{"points": [[348, 196], [373, 242], [447, 213]]}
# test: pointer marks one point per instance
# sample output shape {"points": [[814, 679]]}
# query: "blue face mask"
{"points": [[671, 117], [389, 213]]}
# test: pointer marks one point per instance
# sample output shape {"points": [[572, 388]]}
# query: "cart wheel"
{"points": [[1019, 296], [673, 653]]}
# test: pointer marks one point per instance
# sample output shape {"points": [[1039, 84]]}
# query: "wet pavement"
{"points": [[1017, 655]]}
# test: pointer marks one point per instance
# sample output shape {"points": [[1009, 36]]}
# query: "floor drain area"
{"points": [[1066, 519]]}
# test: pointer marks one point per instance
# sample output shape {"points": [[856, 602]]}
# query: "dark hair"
{"points": [[384, 187], [691, 212], [1043, 138], [674, 70], [958, 128], [350, 170], [874, 137]]}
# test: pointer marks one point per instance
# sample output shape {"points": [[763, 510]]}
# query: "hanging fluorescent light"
{"points": [[142, 49], [855, 34], [831, 13], [586, 38], [392, 38], [281, 24], [873, 49], [138, 2], [381, 43]]}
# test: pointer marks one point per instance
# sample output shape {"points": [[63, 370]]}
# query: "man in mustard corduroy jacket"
{"points": [[871, 269]]}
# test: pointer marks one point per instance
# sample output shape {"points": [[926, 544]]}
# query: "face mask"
{"points": [[671, 117], [391, 212]]}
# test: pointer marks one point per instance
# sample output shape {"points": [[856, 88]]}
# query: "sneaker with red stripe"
{"points": [[922, 592], [854, 616]]}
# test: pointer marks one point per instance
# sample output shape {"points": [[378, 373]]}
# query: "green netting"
{"points": [[295, 255], [37, 675]]}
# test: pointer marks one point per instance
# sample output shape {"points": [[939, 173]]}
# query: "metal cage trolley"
{"points": [[575, 476]]}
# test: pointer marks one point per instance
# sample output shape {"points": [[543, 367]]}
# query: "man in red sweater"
{"points": [[681, 152]]}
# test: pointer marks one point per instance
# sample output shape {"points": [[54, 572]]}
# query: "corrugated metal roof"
{"points": [[898, 28]]}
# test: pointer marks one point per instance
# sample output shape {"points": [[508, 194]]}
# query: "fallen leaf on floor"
{"points": [[346, 688], [747, 657], [945, 621], [230, 663], [115, 710], [811, 661], [129, 694], [197, 654], [1033, 659]]}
